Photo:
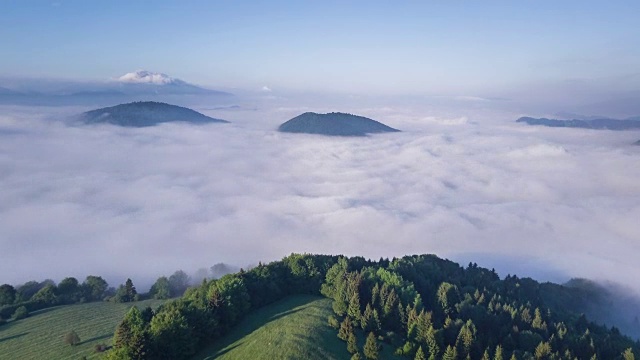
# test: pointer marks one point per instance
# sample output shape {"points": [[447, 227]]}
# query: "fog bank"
{"points": [[470, 185]]}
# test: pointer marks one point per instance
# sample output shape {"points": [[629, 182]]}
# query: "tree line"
{"points": [[17, 302]]}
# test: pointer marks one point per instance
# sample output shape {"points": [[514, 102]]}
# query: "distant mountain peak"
{"points": [[148, 77], [145, 113], [596, 124], [144, 81], [335, 124]]}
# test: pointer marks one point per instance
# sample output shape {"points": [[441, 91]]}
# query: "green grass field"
{"points": [[40, 336], [293, 328]]}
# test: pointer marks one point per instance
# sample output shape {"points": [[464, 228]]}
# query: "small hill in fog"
{"points": [[596, 124], [335, 124], [145, 113]]}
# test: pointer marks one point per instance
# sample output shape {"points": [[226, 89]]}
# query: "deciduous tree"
{"points": [[71, 338], [7, 294], [94, 288], [178, 282], [161, 289]]}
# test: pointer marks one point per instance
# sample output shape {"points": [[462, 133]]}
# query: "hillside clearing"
{"points": [[293, 328], [41, 335]]}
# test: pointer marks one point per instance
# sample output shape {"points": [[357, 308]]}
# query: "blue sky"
{"points": [[450, 47]]}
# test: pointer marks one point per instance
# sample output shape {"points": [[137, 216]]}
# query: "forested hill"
{"points": [[145, 113], [335, 124], [596, 124], [419, 307]]}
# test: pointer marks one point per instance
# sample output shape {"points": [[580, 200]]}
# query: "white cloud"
{"points": [[446, 121], [146, 77], [266, 89], [538, 150], [127, 202]]}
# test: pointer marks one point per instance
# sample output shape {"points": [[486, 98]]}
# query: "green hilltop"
{"points": [[417, 306], [337, 307]]}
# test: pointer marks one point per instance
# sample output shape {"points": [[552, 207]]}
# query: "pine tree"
{"points": [[450, 353], [412, 316], [543, 350], [420, 354], [466, 338], [346, 328], [130, 291], [340, 300], [366, 321], [384, 293], [354, 307], [390, 305], [561, 330], [628, 354], [486, 355], [402, 314], [525, 315], [375, 292], [352, 344], [131, 336], [447, 297], [432, 343], [498, 355], [371, 347], [123, 335], [538, 322], [423, 323], [376, 320]]}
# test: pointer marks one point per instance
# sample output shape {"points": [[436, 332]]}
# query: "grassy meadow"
{"points": [[41, 336], [293, 328]]}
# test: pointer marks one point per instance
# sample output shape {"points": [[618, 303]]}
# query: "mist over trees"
{"points": [[34, 295], [173, 286]]}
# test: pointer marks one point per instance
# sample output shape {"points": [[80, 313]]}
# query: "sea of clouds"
{"points": [[467, 184]]}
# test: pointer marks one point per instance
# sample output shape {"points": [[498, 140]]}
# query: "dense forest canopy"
{"points": [[422, 307]]}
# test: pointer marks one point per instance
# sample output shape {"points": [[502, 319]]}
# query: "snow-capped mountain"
{"points": [[144, 81], [148, 77], [141, 85]]}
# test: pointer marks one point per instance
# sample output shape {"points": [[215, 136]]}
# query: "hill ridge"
{"points": [[334, 124], [595, 124], [145, 113]]}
